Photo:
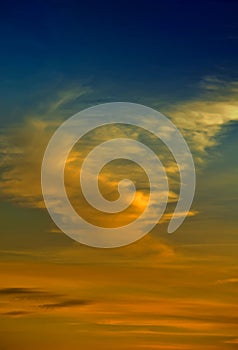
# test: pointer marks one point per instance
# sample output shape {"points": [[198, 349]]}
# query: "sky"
{"points": [[165, 291]]}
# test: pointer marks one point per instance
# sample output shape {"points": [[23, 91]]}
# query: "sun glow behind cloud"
{"points": [[200, 120]]}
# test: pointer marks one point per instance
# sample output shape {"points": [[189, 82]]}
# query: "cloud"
{"points": [[16, 313], [183, 317], [66, 98], [22, 148], [232, 341], [66, 303], [228, 281], [202, 119], [35, 301], [19, 291]]}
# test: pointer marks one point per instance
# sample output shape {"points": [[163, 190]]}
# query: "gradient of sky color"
{"points": [[165, 291]]}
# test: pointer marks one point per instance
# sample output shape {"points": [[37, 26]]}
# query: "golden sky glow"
{"points": [[162, 292]]}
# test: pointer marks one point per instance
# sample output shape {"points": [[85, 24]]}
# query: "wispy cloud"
{"points": [[228, 281], [201, 119], [25, 301], [232, 341], [23, 146], [16, 313], [20, 291], [66, 303]]}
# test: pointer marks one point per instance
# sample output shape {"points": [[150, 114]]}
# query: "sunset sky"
{"points": [[166, 291]]}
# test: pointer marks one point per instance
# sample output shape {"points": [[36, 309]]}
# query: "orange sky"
{"points": [[163, 292]]}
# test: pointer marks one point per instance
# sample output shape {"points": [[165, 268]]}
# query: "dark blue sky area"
{"points": [[150, 46]]}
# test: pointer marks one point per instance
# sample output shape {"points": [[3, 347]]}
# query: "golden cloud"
{"points": [[23, 146]]}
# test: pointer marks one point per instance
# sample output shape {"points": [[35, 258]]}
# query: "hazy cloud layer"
{"points": [[200, 120]]}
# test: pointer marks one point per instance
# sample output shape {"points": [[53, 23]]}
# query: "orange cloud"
{"points": [[23, 147]]}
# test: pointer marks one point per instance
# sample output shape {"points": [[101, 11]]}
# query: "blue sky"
{"points": [[124, 51]]}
